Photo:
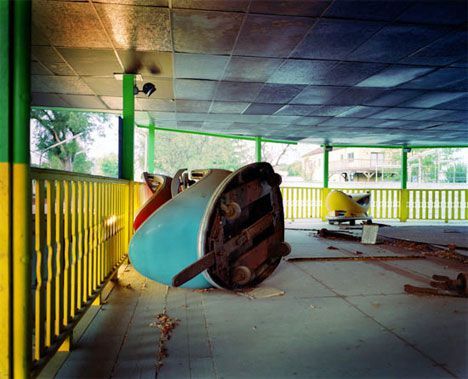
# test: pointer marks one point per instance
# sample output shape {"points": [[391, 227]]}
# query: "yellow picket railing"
{"points": [[82, 226], [445, 204], [386, 203]]}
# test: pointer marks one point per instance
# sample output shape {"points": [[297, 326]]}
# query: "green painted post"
{"points": [[404, 168], [21, 236], [150, 149], [325, 166], [258, 149], [325, 190], [128, 126], [404, 193]]}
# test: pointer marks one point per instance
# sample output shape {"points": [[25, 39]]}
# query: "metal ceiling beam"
{"points": [[398, 146], [219, 135]]}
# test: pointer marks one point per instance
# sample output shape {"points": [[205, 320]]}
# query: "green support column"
{"points": [[128, 126], [6, 276], [258, 149], [404, 168], [150, 149], [325, 166], [404, 193], [325, 189], [21, 233]]}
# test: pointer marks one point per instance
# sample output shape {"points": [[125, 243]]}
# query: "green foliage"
{"points": [[456, 173], [109, 165], [61, 137], [174, 151], [295, 169]]}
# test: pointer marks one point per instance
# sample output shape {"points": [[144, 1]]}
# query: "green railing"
{"points": [[386, 203]]}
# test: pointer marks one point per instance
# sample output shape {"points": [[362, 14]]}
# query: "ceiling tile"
{"points": [[39, 69], [334, 39], [106, 86], [160, 105], [338, 121], [361, 111], [448, 49], [213, 5], [228, 107], [69, 24], [262, 109], [394, 113], [237, 91], [394, 76], [447, 78], [290, 8], [356, 96], [84, 101], [349, 73], [297, 110], [112, 102], [366, 10], [193, 106], [426, 115], [391, 98], [437, 12], [137, 28], [395, 42], [317, 95], [330, 110], [271, 36], [433, 99], [150, 3], [453, 116], [278, 93], [98, 62], [47, 100], [251, 69], [299, 71], [154, 63], [205, 32], [200, 66], [194, 89], [458, 103], [49, 58], [59, 84], [310, 120]]}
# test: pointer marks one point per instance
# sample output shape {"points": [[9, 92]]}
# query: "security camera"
{"points": [[148, 89]]}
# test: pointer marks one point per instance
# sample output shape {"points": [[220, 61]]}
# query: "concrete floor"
{"points": [[340, 319]]}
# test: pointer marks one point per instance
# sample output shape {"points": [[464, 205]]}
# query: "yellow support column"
{"points": [[404, 194], [404, 200]]}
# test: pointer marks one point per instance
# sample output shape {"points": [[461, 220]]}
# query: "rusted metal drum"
{"points": [[227, 231], [160, 187]]}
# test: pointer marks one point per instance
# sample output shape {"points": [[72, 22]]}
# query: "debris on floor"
{"points": [[357, 258], [166, 325], [261, 293], [369, 234], [443, 286]]}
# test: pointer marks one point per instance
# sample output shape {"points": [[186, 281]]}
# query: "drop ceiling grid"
{"points": [[289, 106]]}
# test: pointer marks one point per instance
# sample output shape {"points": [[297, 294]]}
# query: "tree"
{"points": [[59, 136], [178, 150], [456, 173], [109, 165]]}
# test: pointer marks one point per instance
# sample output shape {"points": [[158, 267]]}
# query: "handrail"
{"points": [[82, 227], [386, 203], [46, 173]]}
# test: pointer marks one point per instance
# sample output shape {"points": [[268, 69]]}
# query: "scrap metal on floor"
{"points": [[329, 317]]}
